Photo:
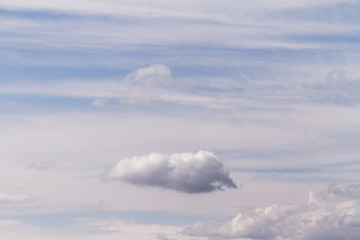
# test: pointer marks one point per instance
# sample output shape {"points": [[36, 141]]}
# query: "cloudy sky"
{"points": [[179, 120]]}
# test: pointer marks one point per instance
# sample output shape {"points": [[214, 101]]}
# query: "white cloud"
{"points": [[155, 73], [145, 85], [99, 102], [185, 172], [14, 198], [337, 78], [330, 214], [163, 237]]}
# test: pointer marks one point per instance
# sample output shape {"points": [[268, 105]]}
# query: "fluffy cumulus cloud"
{"points": [[184, 172], [330, 214]]}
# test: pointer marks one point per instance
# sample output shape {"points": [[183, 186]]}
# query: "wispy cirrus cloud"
{"points": [[163, 8], [155, 83], [205, 22]]}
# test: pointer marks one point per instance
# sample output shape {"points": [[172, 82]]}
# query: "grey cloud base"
{"points": [[198, 172], [332, 214]]}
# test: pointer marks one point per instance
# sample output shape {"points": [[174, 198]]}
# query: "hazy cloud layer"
{"points": [[163, 237], [42, 165], [184, 172], [14, 198], [330, 214]]}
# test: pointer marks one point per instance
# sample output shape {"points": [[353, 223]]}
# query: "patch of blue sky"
{"points": [[328, 95], [299, 170], [35, 14], [190, 62], [142, 54], [55, 73], [341, 100], [126, 18], [342, 166], [348, 140], [33, 104], [263, 154], [326, 171], [225, 55], [304, 175], [183, 60], [304, 179], [64, 220], [327, 38], [50, 220], [313, 174], [170, 218], [345, 12], [57, 15]]}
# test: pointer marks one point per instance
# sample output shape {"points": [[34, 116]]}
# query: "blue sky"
{"points": [[261, 95]]}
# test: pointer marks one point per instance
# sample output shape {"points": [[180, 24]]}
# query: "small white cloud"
{"points": [[145, 85], [153, 74], [42, 165], [337, 79], [185, 172], [330, 214], [99, 102], [14, 198]]}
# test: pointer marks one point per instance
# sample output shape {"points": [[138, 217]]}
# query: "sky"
{"points": [[179, 120]]}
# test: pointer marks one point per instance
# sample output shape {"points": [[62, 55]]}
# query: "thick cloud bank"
{"points": [[328, 215], [185, 172]]}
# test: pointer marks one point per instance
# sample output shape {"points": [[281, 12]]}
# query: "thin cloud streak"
{"points": [[14, 198], [144, 27]]}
